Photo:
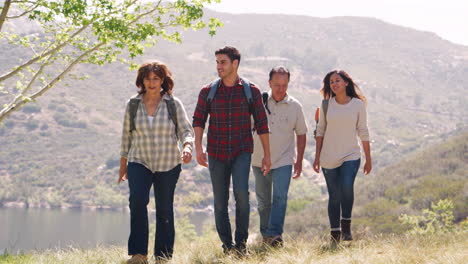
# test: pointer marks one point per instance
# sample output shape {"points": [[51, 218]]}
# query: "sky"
{"points": [[446, 18]]}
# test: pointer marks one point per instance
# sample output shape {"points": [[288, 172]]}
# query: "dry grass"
{"points": [[447, 248]]}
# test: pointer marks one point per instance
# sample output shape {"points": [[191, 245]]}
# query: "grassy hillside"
{"points": [[405, 187], [63, 149], [447, 249]]}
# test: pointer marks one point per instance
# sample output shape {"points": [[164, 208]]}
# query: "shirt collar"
{"points": [[165, 96], [238, 82], [284, 101]]}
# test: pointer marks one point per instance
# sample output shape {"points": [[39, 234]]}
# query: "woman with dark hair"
{"points": [[155, 123], [337, 147]]}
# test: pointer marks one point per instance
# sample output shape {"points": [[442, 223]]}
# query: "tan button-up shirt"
{"points": [[285, 122]]}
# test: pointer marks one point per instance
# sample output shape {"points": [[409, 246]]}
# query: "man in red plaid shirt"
{"points": [[230, 145]]}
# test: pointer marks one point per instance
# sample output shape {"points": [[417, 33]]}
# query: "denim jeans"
{"points": [[340, 185], [272, 214], [140, 180], [220, 173]]}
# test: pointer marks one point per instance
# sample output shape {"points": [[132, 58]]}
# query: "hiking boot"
{"points": [[276, 241], [266, 240], [346, 230], [241, 249], [335, 239], [228, 249], [138, 259]]}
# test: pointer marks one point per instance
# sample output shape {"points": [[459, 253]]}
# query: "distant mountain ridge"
{"points": [[62, 150]]}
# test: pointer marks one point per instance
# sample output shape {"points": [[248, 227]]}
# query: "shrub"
{"points": [[438, 219]]}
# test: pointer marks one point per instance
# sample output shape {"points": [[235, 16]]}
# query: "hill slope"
{"points": [[63, 150], [405, 187]]}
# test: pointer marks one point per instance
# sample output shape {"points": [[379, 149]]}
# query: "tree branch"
{"points": [[25, 12], [4, 13], [63, 44], [8, 110], [35, 59], [24, 91]]}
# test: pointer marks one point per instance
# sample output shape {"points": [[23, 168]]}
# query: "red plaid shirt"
{"points": [[230, 131]]}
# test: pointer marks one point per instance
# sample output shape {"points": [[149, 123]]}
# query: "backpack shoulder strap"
{"points": [[133, 108], [247, 90], [172, 111], [248, 93], [211, 94], [265, 101], [213, 88], [325, 108]]}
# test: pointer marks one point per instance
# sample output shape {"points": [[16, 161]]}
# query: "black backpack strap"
{"points": [[265, 101], [211, 94], [133, 108], [172, 111]]}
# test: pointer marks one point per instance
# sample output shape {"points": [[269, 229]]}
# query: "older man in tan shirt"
{"points": [[287, 136]]}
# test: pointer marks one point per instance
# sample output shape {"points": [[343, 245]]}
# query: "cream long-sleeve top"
{"points": [[340, 131], [156, 146]]}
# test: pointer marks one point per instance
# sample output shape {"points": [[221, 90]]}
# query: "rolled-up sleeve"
{"points": [[201, 112], [126, 141], [184, 130], [259, 113], [362, 129]]}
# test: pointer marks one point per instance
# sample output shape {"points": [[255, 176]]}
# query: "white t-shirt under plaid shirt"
{"points": [[156, 147]]}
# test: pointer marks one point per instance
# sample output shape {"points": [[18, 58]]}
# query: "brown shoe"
{"points": [[276, 241], [266, 240], [138, 259]]}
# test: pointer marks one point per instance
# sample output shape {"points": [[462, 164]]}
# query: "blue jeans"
{"points": [[340, 185], [272, 214], [220, 173], [140, 180]]}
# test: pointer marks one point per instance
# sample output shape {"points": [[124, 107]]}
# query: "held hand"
{"points": [[367, 168], [266, 165], [122, 174], [201, 158], [186, 155], [316, 165], [297, 170]]}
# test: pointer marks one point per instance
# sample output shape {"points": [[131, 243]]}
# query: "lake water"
{"points": [[27, 229]]}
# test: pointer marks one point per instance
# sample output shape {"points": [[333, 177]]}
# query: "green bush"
{"points": [[438, 219], [297, 205]]}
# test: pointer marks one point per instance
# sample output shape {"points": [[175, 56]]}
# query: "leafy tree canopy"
{"points": [[70, 32]]}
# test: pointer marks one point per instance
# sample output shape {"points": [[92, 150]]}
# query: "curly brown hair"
{"points": [[161, 70]]}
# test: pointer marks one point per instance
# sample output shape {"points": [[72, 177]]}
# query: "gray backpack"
{"points": [[317, 115], [171, 109], [247, 91]]}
